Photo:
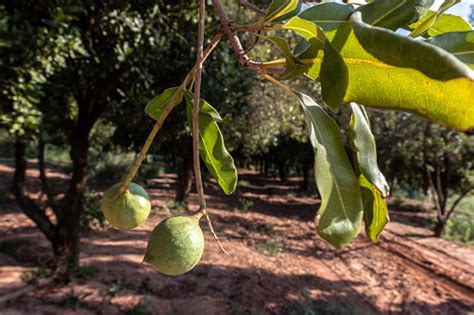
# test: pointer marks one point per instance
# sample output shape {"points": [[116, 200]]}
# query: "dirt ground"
{"points": [[277, 263]]}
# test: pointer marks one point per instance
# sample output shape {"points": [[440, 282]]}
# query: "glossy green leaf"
{"points": [[376, 84], [443, 23], [333, 74], [363, 144], [308, 30], [375, 209], [460, 44], [334, 77], [290, 14], [284, 46], [281, 9], [394, 49], [393, 14], [211, 145], [206, 108], [422, 26], [156, 106], [449, 23], [293, 66], [341, 202], [328, 15]]}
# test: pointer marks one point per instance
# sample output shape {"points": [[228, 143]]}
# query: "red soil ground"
{"points": [[407, 272]]}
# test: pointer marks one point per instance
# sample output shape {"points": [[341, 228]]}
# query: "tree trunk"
{"points": [[27, 205], [439, 227], [266, 165], [185, 176], [66, 240], [282, 171], [20, 165]]}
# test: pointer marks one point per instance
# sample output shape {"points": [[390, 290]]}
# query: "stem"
{"points": [[197, 97], [196, 135], [141, 156], [209, 223], [278, 83]]}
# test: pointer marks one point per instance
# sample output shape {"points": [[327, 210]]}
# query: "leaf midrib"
{"points": [[389, 12], [350, 61], [211, 159], [331, 171]]}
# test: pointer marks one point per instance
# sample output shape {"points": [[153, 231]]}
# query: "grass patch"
{"points": [[460, 227], [244, 204], [88, 271], [70, 302], [38, 273], [270, 248]]}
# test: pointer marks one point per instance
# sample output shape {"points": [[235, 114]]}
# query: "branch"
{"points": [[27, 205], [239, 51], [458, 200]]}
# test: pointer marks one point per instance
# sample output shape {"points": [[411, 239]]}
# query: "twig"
{"points": [[209, 223], [196, 136], [141, 156], [278, 83], [239, 51], [458, 200], [197, 97], [255, 42]]}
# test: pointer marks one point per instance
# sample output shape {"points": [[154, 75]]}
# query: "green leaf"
{"points": [[376, 84], [460, 44], [290, 14], [282, 9], [328, 15], [333, 74], [393, 14], [211, 145], [308, 30], [293, 66], [363, 144], [375, 209], [443, 23], [396, 50], [341, 202], [334, 77], [429, 20], [449, 23], [155, 108], [206, 108]]}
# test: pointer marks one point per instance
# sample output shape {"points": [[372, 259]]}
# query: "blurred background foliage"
{"points": [[89, 66]]}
